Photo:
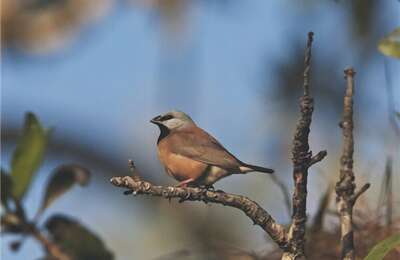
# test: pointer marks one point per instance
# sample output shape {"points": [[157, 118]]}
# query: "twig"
{"points": [[323, 205], [51, 248], [318, 157], [16, 222], [257, 214], [284, 190], [389, 191], [345, 187], [302, 160]]}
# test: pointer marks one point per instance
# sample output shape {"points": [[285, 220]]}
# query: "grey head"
{"points": [[173, 120]]}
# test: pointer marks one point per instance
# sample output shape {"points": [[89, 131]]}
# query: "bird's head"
{"points": [[172, 120]]}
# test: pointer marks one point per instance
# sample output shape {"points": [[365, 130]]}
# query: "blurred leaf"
{"points": [[62, 179], [382, 248], [390, 45], [5, 188], [75, 240], [28, 155]]}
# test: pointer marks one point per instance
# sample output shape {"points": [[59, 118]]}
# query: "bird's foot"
{"points": [[184, 184]]}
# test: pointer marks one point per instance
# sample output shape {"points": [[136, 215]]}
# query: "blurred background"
{"points": [[98, 70]]}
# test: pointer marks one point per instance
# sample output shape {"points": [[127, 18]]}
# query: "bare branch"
{"points": [[307, 63], [302, 160], [257, 214], [345, 187]]}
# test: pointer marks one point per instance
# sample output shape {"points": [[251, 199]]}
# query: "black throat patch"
{"points": [[164, 132]]}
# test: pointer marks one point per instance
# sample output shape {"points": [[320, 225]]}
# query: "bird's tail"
{"points": [[245, 168]]}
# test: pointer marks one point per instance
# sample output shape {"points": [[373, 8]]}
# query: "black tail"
{"points": [[253, 168]]}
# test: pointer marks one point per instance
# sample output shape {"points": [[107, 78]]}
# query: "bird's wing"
{"points": [[198, 145]]}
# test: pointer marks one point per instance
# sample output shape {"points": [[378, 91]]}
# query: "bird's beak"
{"points": [[156, 120]]}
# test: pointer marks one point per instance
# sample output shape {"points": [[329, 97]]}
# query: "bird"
{"points": [[192, 156]]}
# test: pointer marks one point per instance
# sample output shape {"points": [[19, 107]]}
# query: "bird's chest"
{"points": [[178, 166]]}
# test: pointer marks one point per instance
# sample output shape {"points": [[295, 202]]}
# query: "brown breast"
{"points": [[180, 167]]}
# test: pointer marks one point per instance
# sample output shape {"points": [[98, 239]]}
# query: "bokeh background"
{"points": [[98, 71]]}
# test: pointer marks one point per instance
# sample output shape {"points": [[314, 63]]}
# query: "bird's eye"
{"points": [[166, 117]]}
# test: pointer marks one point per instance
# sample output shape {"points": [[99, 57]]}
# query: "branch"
{"points": [[17, 223], [51, 248], [345, 187], [302, 160], [255, 212]]}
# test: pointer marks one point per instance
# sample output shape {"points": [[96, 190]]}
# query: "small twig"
{"points": [[257, 214], [318, 157], [345, 187], [17, 222], [285, 192], [133, 170], [322, 209], [52, 248], [307, 63], [358, 193], [389, 191]]}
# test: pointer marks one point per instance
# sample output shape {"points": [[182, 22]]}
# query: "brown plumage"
{"points": [[191, 155]]}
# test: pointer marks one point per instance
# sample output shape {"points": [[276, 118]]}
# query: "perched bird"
{"points": [[192, 156]]}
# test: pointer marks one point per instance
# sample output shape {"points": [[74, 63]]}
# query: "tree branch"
{"points": [[51, 248], [345, 187], [302, 160], [18, 224], [257, 214]]}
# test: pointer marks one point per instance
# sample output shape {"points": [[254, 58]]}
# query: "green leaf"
{"points": [[390, 45], [379, 251], [28, 155], [76, 240], [6, 185], [62, 179]]}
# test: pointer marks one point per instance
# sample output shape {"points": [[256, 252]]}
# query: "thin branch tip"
{"points": [[318, 157], [360, 192], [349, 72], [311, 35]]}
